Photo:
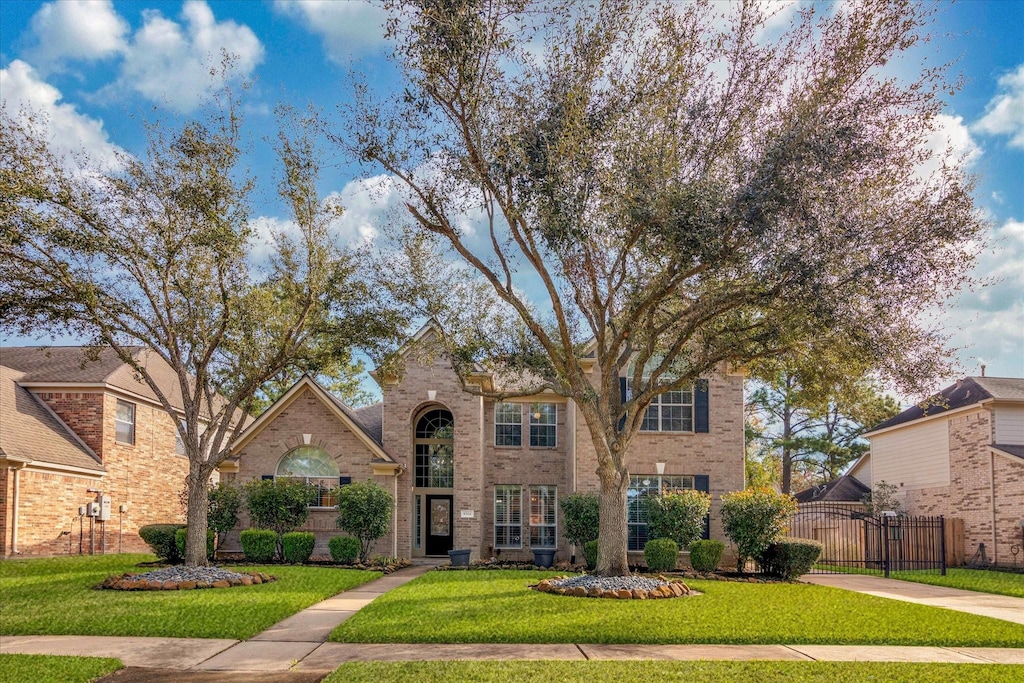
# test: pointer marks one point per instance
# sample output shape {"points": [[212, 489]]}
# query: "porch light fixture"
{"points": [[431, 394], [660, 467]]}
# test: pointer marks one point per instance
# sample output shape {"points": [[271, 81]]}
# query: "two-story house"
{"points": [[74, 432], [470, 472], [959, 454]]}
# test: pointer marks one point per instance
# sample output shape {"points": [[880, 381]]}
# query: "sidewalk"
{"points": [[983, 604], [298, 644]]}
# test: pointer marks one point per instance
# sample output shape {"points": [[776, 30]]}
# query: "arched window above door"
{"points": [[435, 447]]}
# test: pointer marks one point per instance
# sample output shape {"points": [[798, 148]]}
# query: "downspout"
{"points": [[992, 503], [394, 516], [14, 512]]}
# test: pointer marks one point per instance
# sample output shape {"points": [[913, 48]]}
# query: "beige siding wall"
{"points": [[1009, 427], [914, 457]]}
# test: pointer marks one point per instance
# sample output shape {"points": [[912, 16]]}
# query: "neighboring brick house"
{"points": [[67, 426], [469, 472], [960, 454]]}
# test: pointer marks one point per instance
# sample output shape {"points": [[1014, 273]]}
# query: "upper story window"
{"points": [[670, 412], [508, 424], [543, 419], [317, 468], [124, 422]]}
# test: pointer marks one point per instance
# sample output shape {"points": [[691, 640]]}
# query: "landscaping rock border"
{"points": [[152, 581], [615, 588]]}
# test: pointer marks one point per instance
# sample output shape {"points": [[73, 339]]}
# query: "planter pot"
{"points": [[544, 558], [459, 558]]}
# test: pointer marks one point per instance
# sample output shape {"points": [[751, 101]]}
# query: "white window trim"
{"points": [[554, 425], [118, 421], [657, 405], [508, 487], [519, 423], [553, 525]]}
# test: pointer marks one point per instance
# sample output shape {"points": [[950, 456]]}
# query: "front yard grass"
{"points": [[706, 672], [496, 607], [53, 669], [983, 580], [56, 597]]}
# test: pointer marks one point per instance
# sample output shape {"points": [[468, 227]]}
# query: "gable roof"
{"points": [[965, 393], [846, 488], [363, 425], [30, 432]]}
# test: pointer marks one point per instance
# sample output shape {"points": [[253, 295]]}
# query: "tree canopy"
{"points": [[673, 190]]}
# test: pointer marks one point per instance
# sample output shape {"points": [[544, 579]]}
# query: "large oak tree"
{"points": [[677, 189]]}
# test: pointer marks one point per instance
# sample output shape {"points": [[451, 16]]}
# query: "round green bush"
{"points": [[790, 558], [179, 542], [590, 554], [298, 546], [160, 537], [660, 554], [258, 545], [344, 549], [705, 555]]}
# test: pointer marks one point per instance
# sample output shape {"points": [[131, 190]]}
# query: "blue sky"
{"points": [[94, 67]]}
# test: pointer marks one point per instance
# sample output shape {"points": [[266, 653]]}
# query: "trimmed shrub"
{"points": [[660, 554], [754, 519], [179, 542], [160, 537], [705, 555], [298, 546], [590, 554], [225, 500], [344, 549], [258, 545], [678, 515], [278, 504], [791, 557], [580, 518], [364, 511]]}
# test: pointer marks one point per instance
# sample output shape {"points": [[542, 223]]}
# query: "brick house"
{"points": [[959, 454], [67, 426], [469, 472]]}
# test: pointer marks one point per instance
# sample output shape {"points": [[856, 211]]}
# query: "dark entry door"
{"points": [[440, 525]]}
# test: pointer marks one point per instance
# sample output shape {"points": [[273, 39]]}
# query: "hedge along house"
{"points": [[478, 474]]}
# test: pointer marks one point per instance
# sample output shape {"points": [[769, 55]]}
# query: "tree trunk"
{"points": [[198, 506], [612, 534]]}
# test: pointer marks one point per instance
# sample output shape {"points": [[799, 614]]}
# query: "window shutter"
{"points": [[344, 481], [701, 423], [266, 477], [622, 396], [701, 482]]}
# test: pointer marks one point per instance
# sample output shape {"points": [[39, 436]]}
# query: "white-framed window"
{"points": [[543, 421], [641, 486], [508, 516], [543, 503], [508, 424], [670, 412], [124, 422], [317, 468]]}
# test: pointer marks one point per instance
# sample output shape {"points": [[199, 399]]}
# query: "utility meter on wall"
{"points": [[104, 513]]}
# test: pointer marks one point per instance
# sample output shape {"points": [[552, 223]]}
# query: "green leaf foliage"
{"points": [[590, 554], [679, 515], [754, 519], [660, 554], [280, 504], [225, 500], [179, 542], [706, 554], [364, 511], [790, 558], [161, 538], [580, 517], [298, 546], [258, 545], [344, 549]]}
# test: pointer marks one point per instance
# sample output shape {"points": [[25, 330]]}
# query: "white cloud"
{"points": [[366, 203], [950, 140], [68, 131], [1004, 114], [85, 30], [345, 28], [170, 63]]}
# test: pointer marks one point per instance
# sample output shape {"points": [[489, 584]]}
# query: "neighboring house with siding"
{"points": [[68, 425], [959, 454], [470, 472]]}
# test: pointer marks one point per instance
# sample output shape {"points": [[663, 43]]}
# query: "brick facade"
{"points": [[146, 477]]}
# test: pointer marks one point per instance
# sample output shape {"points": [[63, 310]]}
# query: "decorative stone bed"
{"points": [[615, 587], [184, 578]]}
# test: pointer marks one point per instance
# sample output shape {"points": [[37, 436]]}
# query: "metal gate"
{"points": [[855, 542]]}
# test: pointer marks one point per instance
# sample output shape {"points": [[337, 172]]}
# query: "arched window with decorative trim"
{"points": [[314, 466], [435, 448]]}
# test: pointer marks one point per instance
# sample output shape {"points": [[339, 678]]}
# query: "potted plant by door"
{"points": [[543, 557]]}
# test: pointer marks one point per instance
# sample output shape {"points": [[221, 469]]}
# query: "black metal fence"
{"points": [[856, 542]]}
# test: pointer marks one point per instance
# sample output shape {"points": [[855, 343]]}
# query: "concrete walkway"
{"points": [[298, 644], [984, 604]]}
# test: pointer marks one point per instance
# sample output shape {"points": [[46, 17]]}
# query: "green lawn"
{"points": [[496, 607], [705, 672], [984, 580], [51, 669], [55, 597]]}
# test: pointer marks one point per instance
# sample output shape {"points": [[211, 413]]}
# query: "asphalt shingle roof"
{"points": [[965, 392], [845, 488]]}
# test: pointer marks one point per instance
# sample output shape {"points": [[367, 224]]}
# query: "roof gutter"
{"points": [[927, 418]]}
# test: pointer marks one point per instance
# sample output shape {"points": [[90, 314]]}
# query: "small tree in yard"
{"points": [[580, 518], [280, 505], [881, 499], [676, 193], [754, 519], [364, 511], [224, 500], [679, 515]]}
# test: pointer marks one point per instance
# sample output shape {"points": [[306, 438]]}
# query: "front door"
{"points": [[440, 525]]}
